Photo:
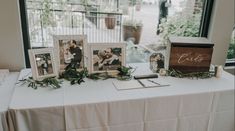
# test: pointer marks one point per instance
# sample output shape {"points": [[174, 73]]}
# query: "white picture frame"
{"points": [[62, 47], [116, 58], [42, 63]]}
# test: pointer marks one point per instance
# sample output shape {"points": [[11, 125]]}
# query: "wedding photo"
{"points": [[107, 57], [70, 50], [44, 64], [157, 61]]}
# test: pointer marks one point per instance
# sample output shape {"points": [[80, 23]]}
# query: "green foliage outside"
{"points": [[179, 25], [134, 2], [47, 18], [48, 15], [231, 49]]}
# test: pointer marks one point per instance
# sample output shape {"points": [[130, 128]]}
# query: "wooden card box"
{"points": [[190, 54]]}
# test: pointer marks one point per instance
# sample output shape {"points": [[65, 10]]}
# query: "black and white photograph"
{"points": [[70, 50], [42, 63], [107, 57], [157, 62]]}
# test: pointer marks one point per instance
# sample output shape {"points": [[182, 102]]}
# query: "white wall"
{"points": [[11, 43], [221, 29]]}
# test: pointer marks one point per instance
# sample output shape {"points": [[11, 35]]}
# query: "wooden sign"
{"points": [[190, 54]]}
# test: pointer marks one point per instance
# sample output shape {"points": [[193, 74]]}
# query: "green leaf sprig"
{"points": [[47, 82], [100, 76], [75, 77], [125, 73], [197, 75]]}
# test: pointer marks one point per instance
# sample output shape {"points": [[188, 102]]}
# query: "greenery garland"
{"points": [[198, 75], [71, 74], [124, 73], [47, 82], [77, 77]]}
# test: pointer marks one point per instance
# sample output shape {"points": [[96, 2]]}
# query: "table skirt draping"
{"points": [[41, 119], [6, 91], [186, 105], [3, 122], [212, 111]]}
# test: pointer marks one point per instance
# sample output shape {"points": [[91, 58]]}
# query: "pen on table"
{"points": [[159, 85], [153, 82], [141, 83]]}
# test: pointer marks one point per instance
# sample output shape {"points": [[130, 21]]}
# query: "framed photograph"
{"points": [[157, 62], [42, 63], [106, 57], [70, 49]]}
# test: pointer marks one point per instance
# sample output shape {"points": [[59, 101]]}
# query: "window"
{"points": [[231, 51], [154, 21]]}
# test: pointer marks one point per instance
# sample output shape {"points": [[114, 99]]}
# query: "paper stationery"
{"points": [[125, 85], [139, 84]]}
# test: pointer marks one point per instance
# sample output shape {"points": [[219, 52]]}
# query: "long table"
{"points": [[6, 91], [185, 105]]}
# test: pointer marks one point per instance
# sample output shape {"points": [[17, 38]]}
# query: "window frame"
{"points": [[25, 31], [204, 25], [230, 62], [206, 18]]}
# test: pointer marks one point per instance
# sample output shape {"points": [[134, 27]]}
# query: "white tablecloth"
{"points": [[186, 105], [6, 91]]}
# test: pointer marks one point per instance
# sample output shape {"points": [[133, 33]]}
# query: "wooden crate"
{"points": [[190, 54]]}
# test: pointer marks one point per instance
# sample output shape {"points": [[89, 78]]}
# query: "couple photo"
{"points": [[44, 64], [107, 59], [71, 53]]}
